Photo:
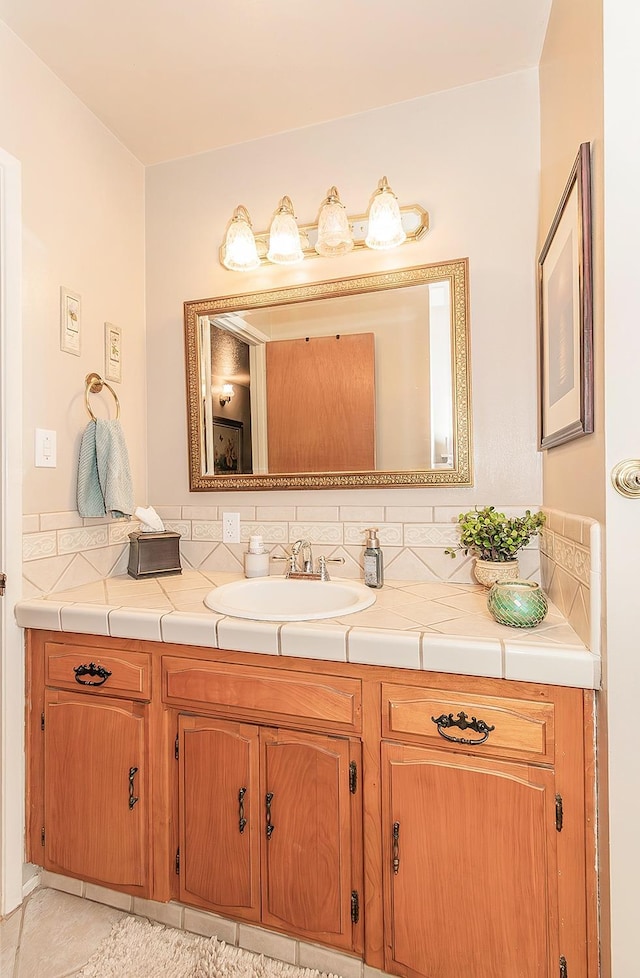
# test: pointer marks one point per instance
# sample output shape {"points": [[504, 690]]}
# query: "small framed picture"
{"points": [[227, 446], [565, 314], [70, 321], [112, 352]]}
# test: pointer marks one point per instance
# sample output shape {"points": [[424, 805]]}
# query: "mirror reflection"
{"points": [[357, 382]]}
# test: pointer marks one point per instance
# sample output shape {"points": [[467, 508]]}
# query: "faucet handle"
{"points": [[291, 559], [322, 566]]}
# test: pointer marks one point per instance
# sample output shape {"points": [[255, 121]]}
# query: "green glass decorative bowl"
{"points": [[521, 604]]}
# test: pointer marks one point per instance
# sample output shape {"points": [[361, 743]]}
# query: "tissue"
{"points": [[151, 522]]}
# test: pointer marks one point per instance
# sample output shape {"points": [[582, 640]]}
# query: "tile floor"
{"points": [[52, 935]]}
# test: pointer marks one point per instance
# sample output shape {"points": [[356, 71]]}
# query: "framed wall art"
{"points": [[70, 321], [227, 446], [112, 352], [565, 314]]}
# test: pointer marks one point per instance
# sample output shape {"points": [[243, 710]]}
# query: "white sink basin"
{"points": [[280, 599]]}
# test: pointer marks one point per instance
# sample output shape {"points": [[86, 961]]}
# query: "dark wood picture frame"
{"points": [[227, 446], [565, 314]]}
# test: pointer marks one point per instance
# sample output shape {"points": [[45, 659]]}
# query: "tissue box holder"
{"points": [[153, 554]]}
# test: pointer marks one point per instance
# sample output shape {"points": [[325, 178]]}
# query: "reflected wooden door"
{"points": [[321, 404], [475, 874]]}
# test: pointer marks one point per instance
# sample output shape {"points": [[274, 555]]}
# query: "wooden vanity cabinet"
{"points": [[89, 798], [266, 826], [218, 861], [95, 792], [471, 869], [433, 823], [308, 867], [483, 833], [268, 820]]}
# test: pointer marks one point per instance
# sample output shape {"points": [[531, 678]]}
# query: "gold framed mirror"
{"points": [[350, 383]]}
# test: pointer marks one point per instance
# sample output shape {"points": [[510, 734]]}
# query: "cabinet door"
{"points": [[95, 794], [469, 866], [219, 813], [306, 861]]}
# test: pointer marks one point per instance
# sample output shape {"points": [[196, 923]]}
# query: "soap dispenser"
{"points": [[256, 560], [373, 569]]}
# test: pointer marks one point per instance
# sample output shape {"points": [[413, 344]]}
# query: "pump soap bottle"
{"points": [[256, 560], [373, 569]]}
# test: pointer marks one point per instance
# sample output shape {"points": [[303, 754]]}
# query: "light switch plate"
{"points": [[45, 448]]}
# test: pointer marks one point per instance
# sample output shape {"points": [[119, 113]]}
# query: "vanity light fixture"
{"points": [[284, 236], [334, 232], [239, 250], [385, 223], [226, 394]]}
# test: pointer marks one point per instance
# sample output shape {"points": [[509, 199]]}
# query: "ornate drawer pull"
{"points": [[446, 720], [91, 670]]}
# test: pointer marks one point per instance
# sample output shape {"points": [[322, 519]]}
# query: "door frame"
{"points": [[12, 776]]}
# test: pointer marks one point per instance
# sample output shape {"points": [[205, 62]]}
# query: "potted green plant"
{"points": [[495, 540]]}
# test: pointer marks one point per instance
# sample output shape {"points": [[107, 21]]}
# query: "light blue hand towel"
{"points": [[104, 476]]}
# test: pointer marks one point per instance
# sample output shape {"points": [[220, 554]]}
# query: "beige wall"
{"points": [[83, 227], [471, 157], [574, 475], [571, 112]]}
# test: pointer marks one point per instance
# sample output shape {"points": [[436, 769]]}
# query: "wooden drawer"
{"points": [[262, 693], [85, 668], [521, 728]]}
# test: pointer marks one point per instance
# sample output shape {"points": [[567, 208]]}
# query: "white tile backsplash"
{"points": [[206, 530], [119, 530], [431, 535], [59, 521], [31, 524], [413, 540], [317, 532], [83, 538], [571, 573], [35, 546]]}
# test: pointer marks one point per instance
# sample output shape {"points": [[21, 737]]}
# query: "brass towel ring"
{"points": [[95, 383]]}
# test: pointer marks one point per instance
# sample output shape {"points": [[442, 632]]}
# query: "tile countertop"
{"points": [[438, 627]]}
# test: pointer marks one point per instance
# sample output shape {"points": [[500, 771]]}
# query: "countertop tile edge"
{"points": [[517, 660]]}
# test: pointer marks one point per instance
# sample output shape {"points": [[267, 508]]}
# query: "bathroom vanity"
{"points": [[419, 819]]}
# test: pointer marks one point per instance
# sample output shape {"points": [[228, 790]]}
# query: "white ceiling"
{"points": [[176, 77]]}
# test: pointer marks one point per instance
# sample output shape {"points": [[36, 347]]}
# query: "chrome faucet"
{"points": [[301, 552], [303, 548]]}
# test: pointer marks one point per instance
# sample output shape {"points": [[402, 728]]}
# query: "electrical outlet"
{"points": [[231, 527]]}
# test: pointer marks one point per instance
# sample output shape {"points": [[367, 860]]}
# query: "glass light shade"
{"points": [[284, 237], [240, 252], [385, 223], [226, 394], [334, 233]]}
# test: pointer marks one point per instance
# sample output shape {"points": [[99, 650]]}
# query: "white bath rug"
{"points": [[137, 948]]}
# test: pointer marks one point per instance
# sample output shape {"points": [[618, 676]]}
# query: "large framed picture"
{"points": [[227, 446], [565, 314]]}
